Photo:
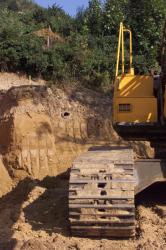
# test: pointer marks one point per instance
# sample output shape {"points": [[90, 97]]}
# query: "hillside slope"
{"points": [[19, 5]]}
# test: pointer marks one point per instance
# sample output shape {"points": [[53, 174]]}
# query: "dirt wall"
{"points": [[42, 130], [5, 179]]}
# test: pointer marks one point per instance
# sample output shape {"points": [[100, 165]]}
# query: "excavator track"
{"points": [[101, 194]]}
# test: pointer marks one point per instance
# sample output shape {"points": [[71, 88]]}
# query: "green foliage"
{"points": [[113, 14], [146, 18], [89, 51], [94, 17], [18, 5], [59, 21]]}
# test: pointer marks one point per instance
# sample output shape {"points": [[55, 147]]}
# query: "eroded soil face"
{"points": [[43, 131]]}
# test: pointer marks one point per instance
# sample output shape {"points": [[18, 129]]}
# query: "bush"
{"points": [[89, 51]]}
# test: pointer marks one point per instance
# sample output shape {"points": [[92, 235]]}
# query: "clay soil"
{"points": [[34, 216]]}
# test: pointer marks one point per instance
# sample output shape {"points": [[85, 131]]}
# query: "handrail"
{"points": [[123, 56], [119, 47], [131, 47], [122, 31]]}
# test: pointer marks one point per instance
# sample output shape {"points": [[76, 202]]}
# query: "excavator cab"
{"points": [[138, 99]]}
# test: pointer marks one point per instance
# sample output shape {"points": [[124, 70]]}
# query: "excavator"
{"points": [[104, 182]]}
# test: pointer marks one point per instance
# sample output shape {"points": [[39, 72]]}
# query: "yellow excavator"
{"points": [[139, 100], [104, 182]]}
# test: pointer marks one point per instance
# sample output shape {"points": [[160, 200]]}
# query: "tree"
{"points": [[114, 13], [146, 19], [18, 5], [14, 5], [94, 17], [59, 20]]}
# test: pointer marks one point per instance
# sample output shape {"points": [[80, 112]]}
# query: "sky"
{"points": [[70, 6]]}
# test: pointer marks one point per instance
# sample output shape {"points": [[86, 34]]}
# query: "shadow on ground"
{"points": [[153, 195], [48, 212]]}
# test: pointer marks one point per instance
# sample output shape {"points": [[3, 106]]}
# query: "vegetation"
{"points": [[88, 53]]}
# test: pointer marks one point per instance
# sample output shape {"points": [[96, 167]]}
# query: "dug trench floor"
{"points": [[34, 215]]}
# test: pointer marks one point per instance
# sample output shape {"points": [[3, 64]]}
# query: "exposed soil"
{"points": [[34, 216], [41, 132], [8, 80]]}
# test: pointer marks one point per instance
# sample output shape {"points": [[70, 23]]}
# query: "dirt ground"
{"points": [[41, 132], [34, 216]]}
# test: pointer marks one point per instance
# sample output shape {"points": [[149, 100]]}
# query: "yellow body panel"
{"points": [[135, 86], [134, 100], [137, 92]]}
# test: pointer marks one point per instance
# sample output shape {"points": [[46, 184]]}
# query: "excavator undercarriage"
{"points": [[101, 194], [102, 189]]}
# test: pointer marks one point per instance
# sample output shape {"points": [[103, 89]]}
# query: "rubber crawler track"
{"points": [[101, 194]]}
